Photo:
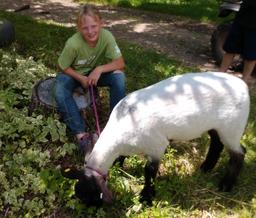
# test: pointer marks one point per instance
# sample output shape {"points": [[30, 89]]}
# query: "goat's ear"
{"points": [[107, 194], [72, 173]]}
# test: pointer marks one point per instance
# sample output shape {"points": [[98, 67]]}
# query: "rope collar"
{"points": [[103, 175], [93, 99]]}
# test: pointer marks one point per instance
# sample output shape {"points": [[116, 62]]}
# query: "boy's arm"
{"points": [[117, 64], [80, 78]]}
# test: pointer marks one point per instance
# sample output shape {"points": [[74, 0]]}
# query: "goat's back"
{"points": [[182, 108]]}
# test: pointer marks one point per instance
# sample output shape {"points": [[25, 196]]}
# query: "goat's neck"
{"points": [[102, 158]]}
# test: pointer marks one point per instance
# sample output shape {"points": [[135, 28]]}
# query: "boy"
{"points": [[81, 65]]}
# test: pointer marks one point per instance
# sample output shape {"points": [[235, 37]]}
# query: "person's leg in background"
{"points": [[249, 54], [249, 66], [226, 62], [232, 46]]}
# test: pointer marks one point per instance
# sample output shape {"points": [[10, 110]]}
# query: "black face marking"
{"points": [[88, 191]]}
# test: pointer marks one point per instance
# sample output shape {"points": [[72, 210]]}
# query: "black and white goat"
{"points": [[179, 108]]}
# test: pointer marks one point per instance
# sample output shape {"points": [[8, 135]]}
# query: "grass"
{"points": [[33, 148], [205, 11], [44, 41]]}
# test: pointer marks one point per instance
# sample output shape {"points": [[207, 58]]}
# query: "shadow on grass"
{"points": [[45, 41], [197, 9], [199, 191], [41, 40]]}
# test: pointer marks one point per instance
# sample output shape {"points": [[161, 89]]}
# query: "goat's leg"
{"points": [[148, 191], [216, 147], [234, 167], [120, 161]]}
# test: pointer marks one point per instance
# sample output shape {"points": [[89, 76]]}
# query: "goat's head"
{"points": [[91, 187]]}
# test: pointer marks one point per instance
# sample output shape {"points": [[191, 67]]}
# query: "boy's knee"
{"points": [[118, 71], [63, 80], [62, 86], [119, 78]]}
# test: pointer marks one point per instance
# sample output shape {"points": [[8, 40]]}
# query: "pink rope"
{"points": [[95, 110]]}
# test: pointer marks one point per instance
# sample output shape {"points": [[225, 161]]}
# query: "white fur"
{"points": [[179, 108]]}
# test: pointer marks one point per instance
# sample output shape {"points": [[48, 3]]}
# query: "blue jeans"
{"points": [[66, 105]]}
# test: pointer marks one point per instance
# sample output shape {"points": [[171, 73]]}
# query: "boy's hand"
{"points": [[94, 76], [84, 81]]}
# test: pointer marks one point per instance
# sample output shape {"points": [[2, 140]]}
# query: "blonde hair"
{"points": [[90, 11]]}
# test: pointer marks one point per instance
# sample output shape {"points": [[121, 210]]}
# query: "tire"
{"points": [[7, 33], [217, 41]]}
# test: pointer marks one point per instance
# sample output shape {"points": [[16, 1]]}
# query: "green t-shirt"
{"points": [[82, 58]]}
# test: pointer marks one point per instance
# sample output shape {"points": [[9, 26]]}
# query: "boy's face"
{"points": [[90, 29]]}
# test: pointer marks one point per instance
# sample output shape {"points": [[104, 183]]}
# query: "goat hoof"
{"points": [[146, 195], [146, 199], [226, 185], [205, 167], [120, 161]]}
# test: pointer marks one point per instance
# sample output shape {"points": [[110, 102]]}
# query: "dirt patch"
{"points": [[179, 38]]}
